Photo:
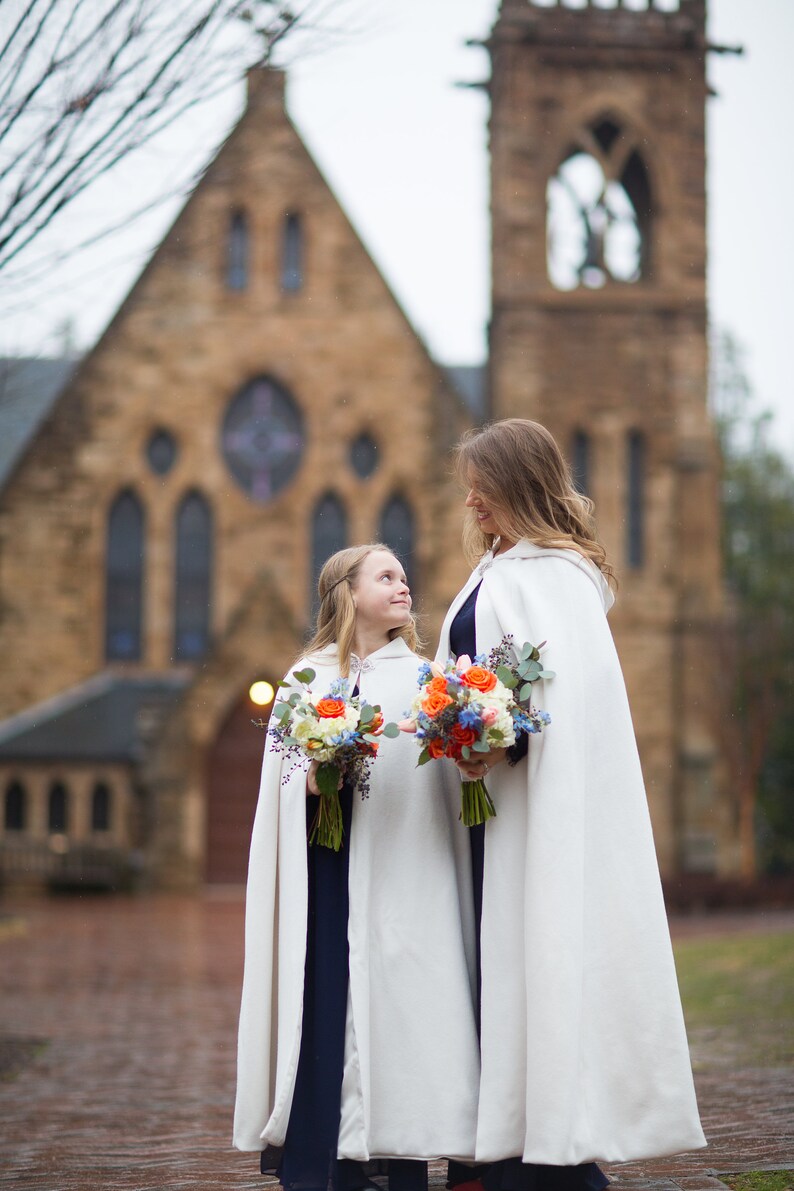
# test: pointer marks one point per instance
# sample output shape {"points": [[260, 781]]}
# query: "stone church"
{"points": [[260, 399]]}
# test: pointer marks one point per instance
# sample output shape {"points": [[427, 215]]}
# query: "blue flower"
{"points": [[425, 673], [469, 717], [340, 689]]}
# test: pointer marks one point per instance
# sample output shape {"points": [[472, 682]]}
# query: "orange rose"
{"points": [[436, 748], [376, 723], [437, 686], [329, 709], [464, 736], [479, 678], [435, 703]]}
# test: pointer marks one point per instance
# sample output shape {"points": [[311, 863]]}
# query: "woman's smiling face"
{"points": [[484, 510]]}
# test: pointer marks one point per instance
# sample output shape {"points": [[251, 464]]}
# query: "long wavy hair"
{"points": [[517, 466], [336, 617]]}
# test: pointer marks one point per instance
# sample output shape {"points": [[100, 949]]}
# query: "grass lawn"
{"points": [[761, 1180], [738, 995]]}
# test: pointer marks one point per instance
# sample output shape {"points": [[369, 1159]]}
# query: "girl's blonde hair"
{"points": [[518, 467], [336, 616]]}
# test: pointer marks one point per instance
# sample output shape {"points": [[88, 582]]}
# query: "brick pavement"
{"points": [[122, 1014]]}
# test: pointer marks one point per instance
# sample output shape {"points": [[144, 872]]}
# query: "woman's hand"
{"points": [[478, 764]]}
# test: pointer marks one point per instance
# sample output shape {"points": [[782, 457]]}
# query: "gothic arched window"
{"points": [[292, 253], [124, 579], [58, 809], [237, 251], [396, 531], [329, 534], [635, 498], [193, 577], [599, 211], [16, 808], [581, 461], [100, 807]]}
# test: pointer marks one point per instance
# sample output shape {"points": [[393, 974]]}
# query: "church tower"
{"points": [[599, 331]]}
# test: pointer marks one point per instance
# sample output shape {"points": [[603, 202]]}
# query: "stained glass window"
{"points": [[397, 532], [262, 438], [292, 254], [124, 579], [329, 534], [161, 452], [580, 461], [364, 457], [237, 252], [193, 577], [635, 498]]}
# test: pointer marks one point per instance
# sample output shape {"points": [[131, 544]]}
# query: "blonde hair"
{"points": [[517, 465], [336, 616]]}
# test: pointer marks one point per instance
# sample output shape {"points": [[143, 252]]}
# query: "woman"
{"points": [[583, 1049], [358, 1037]]}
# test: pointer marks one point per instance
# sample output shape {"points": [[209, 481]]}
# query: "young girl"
{"points": [[357, 1029]]}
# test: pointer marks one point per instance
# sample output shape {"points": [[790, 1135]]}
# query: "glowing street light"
{"points": [[261, 693]]}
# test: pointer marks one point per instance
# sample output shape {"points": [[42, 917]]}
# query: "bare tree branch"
{"points": [[86, 84]]}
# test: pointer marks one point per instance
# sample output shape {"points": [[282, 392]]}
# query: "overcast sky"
{"points": [[405, 151]]}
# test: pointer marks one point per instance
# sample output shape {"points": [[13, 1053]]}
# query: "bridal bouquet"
{"points": [[339, 730], [466, 707]]}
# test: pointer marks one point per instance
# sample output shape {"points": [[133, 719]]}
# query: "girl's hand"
{"points": [[478, 764], [311, 779]]}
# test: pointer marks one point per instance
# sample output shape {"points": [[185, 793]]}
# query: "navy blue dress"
{"points": [[308, 1161], [510, 1174]]}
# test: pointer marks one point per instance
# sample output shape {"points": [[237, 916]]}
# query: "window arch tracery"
{"points": [[599, 210]]}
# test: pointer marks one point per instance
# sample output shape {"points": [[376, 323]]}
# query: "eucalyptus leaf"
{"points": [[424, 757], [525, 691], [482, 746], [304, 676], [505, 676], [367, 714], [548, 674], [528, 650], [465, 752], [390, 730]]}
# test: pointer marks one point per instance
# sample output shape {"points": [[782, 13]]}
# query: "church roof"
{"points": [[106, 718], [29, 387]]}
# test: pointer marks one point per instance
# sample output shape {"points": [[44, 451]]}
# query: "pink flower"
{"points": [[463, 662], [490, 716], [436, 669], [406, 725]]}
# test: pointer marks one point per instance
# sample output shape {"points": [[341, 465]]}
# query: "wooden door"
{"points": [[234, 766]]}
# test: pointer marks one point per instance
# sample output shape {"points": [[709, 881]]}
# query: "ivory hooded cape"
{"points": [[411, 1055], [583, 1049]]}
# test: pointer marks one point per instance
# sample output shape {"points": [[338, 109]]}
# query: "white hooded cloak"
{"points": [[584, 1053], [411, 1066]]}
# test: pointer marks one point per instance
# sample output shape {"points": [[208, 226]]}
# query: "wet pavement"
{"points": [[117, 1047]]}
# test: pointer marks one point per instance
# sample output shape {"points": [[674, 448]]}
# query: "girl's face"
{"points": [[487, 515], [381, 593]]}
